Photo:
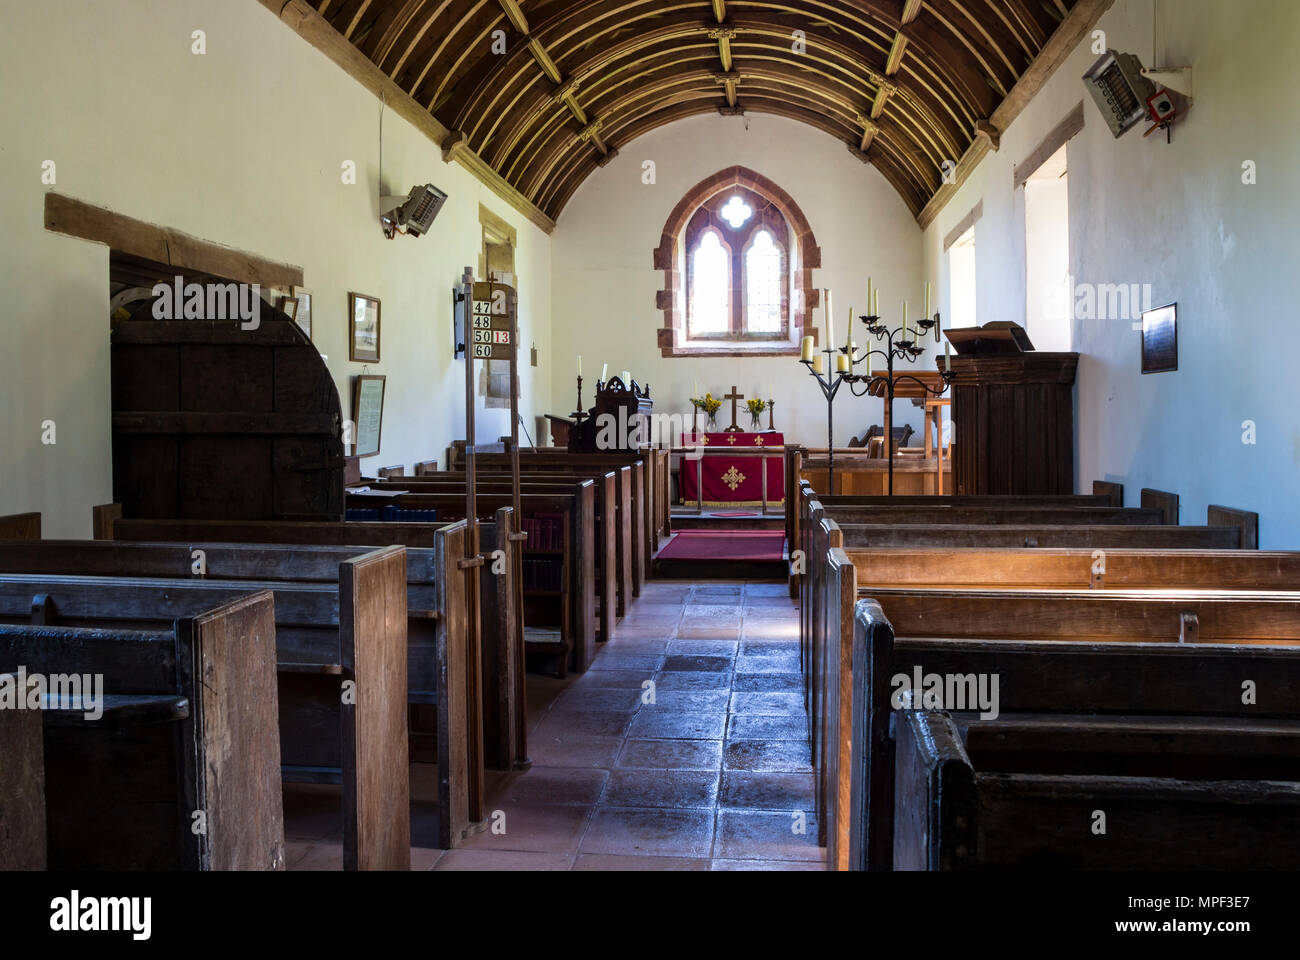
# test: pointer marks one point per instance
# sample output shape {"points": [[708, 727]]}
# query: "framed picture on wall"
{"points": [[367, 414], [1160, 339], [303, 317], [289, 307], [363, 328]]}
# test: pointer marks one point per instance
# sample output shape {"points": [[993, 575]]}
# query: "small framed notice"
{"points": [[363, 328], [367, 414], [1160, 339]]}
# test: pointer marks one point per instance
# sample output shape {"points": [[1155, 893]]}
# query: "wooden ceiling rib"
{"points": [[540, 93]]}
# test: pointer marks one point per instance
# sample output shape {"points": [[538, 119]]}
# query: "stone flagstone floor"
{"points": [[714, 774]]}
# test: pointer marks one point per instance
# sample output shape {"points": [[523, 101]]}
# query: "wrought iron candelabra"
{"points": [[898, 345]]}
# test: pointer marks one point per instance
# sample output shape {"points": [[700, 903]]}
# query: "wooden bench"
{"points": [[181, 770], [22, 788], [445, 693], [573, 604], [628, 519], [1029, 792], [21, 526], [340, 666], [1105, 658], [610, 510], [651, 487]]}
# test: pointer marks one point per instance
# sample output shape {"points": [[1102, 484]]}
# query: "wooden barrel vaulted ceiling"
{"points": [[907, 85]]}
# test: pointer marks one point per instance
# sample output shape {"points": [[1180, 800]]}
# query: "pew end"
{"points": [[20, 526], [22, 789]]}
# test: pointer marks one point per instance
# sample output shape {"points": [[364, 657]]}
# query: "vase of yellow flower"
{"points": [[755, 408], [710, 405]]}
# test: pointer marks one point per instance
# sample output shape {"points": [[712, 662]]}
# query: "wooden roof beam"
{"points": [[724, 35], [729, 81], [720, 11], [869, 131], [515, 15], [911, 10]]}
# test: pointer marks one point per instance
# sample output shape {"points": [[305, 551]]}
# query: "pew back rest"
{"points": [[1043, 677], [222, 659]]}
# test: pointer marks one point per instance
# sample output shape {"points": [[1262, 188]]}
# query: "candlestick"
{"points": [[806, 350]]}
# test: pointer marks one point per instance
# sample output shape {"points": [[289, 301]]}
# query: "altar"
{"points": [[731, 469]]}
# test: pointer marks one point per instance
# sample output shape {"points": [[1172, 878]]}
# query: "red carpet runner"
{"points": [[725, 545]]}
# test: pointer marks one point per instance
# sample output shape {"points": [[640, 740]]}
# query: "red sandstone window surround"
{"points": [[737, 255]]}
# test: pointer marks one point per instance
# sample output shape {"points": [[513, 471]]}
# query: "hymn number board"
{"points": [[493, 322]]}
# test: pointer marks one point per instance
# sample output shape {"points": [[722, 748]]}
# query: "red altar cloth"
{"points": [[733, 481]]}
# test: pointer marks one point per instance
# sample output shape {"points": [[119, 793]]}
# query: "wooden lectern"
{"points": [[1013, 414]]}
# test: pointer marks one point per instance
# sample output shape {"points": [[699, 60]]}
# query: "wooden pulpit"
{"points": [[1013, 417]]}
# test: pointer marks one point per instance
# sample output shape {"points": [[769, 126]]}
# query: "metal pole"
{"points": [[830, 443], [699, 481]]}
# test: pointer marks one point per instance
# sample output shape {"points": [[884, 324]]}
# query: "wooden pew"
{"points": [[444, 691], [826, 608], [629, 522], [1115, 652], [611, 511], [650, 488], [188, 727], [1001, 515], [340, 666], [22, 787], [1024, 792], [21, 526], [576, 507]]}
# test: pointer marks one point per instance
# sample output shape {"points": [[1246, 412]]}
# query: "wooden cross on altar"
{"points": [[735, 398]]}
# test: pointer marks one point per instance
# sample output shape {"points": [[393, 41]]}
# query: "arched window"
{"points": [[737, 269], [710, 307], [764, 285], [737, 255]]}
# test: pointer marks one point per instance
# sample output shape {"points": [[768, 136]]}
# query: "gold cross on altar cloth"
{"points": [[733, 478], [732, 439], [758, 441]]}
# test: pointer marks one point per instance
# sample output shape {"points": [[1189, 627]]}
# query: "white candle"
{"points": [[875, 304], [627, 379], [868, 358], [927, 299], [817, 363], [830, 321], [841, 363], [579, 364], [947, 357], [868, 294], [604, 369], [805, 352]]}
